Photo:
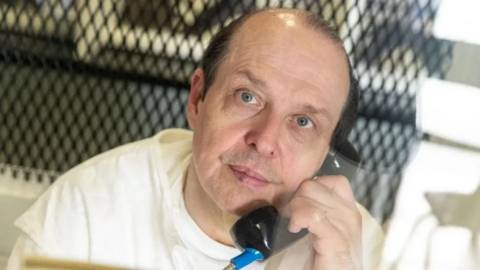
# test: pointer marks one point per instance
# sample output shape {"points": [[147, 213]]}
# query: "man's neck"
{"points": [[204, 211]]}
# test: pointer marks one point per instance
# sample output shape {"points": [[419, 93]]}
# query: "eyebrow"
{"points": [[252, 78]]}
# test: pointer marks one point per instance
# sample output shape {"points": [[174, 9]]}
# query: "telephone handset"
{"points": [[263, 232]]}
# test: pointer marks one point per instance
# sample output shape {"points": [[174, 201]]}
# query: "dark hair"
{"points": [[217, 50]]}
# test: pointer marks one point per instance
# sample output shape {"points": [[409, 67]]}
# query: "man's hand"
{"points": [[326, 207]]}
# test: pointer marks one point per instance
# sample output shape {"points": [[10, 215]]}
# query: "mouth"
{"points": [[248, 176]]}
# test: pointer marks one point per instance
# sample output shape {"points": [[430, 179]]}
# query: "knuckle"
{"points": [[317, 215]]}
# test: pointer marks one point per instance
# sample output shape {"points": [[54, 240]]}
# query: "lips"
{"points": [[248, 176]]}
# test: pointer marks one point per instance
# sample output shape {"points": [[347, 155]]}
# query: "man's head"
{"points": [[274, 91]]}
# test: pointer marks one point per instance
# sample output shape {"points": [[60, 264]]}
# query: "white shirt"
{"points": [[125, 208]]}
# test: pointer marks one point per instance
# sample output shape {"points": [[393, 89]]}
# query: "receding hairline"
{"points": [[308, 19]]}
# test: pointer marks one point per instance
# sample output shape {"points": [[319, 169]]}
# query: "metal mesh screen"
{"points": [[79, 77]]}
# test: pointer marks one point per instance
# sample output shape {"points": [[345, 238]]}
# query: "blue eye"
{"points": [[247, 97], [304, 122]]}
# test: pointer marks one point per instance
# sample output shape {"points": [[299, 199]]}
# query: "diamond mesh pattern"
{"points": [[79, 77]]}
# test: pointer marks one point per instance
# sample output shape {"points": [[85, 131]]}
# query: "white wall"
{"points": [[10, 208], [16, 196]]}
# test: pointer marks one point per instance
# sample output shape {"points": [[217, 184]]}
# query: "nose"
{"points": [[264, 136]]}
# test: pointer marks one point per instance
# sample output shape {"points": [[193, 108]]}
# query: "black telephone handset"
{"points": [[266, 231]]}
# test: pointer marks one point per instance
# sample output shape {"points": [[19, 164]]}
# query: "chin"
{"points": [[233, 197], [239, 207]]}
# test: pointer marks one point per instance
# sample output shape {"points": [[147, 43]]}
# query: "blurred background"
{"points": [[79, 77]]}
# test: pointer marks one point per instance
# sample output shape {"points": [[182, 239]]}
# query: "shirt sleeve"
{"points": [[373, 239], [56, 225]]}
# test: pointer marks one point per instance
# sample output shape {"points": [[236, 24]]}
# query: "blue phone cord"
{"points": [[248, 256]]}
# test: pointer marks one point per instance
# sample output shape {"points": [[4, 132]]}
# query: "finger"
{"points": [[322, 194], [309, 214], [342, 218], [339, 185], [318, 192]]}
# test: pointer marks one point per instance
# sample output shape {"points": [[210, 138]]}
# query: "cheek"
{"points": [[220, 128], [302, 167], [214, 138]]}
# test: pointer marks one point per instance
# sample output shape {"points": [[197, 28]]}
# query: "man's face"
{"points": [[267, 120]]}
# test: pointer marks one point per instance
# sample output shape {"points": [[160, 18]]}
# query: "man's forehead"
{"points": [[267, 25], [284, 32], [294, 66], [275, 24], [321, 65]]}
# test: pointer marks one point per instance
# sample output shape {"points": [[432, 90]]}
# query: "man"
{"points": [[274, 92]]}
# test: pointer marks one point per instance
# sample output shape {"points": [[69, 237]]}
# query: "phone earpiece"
{"points": [[342, 161]]}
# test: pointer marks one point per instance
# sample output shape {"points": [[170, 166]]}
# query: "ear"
{"points": [[195, 97]]}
